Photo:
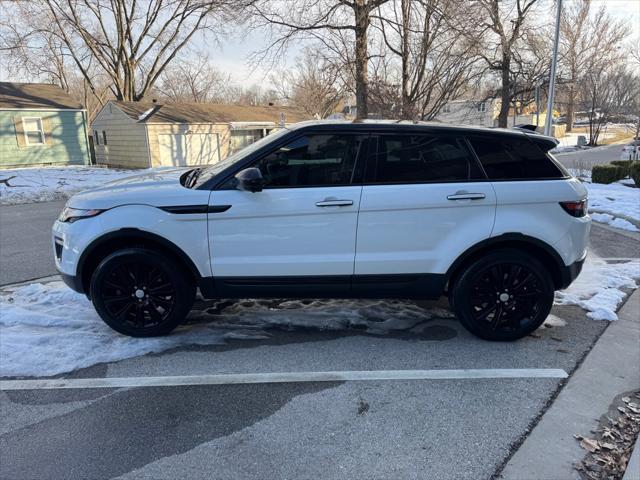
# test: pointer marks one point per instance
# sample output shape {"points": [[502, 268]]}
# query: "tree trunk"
{"points": [[571, 100], [407, 110], [362, 91], [505, 94]]}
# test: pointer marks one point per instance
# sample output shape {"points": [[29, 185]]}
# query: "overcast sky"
{"points": [[232, 56]]}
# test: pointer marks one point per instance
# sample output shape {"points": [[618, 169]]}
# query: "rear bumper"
{"points": [[569, 273]]}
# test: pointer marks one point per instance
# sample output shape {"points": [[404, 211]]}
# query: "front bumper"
{"points": [[73, 282], [570, 272]]}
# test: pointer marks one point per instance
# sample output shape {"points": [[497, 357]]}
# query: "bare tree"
{"points": [[324, 20], [504, 27], [437, 60], [131, 42], [194, 80], [313, 85], [589, 40]]}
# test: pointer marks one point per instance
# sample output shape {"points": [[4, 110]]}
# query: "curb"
{"points": [[611, 367], [633, 467], [48, 279]]}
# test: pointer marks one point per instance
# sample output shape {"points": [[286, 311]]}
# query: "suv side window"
{"points": [[513, 159], [311, 160], [422, 159]]}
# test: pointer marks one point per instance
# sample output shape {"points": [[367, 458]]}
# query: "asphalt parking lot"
{"points": [[398, 428]]}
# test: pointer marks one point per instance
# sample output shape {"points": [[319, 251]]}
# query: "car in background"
{"points": [[631, 151]]}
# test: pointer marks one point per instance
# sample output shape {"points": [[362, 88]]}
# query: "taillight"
{"points": [[575, 209]]}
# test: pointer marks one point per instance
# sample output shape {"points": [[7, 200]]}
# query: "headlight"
{"points": [[70, 215]]}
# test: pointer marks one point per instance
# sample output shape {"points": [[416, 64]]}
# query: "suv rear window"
{"points": [[422, 159], [514, 159]]}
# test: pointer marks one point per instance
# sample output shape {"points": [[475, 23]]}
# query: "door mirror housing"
{"points": [[250, 180]]}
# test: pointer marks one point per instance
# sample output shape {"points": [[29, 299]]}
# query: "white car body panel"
{"points": [[416, 229], [533, 208], [281, 232]]}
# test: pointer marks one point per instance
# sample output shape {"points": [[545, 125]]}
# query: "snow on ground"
{"points": [[39, 337], [28, 185], [614, 222], [599, 288]]}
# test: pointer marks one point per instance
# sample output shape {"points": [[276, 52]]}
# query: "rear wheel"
{"points": [[141, 293], [505, 295]]}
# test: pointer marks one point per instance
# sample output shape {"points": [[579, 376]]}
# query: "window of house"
{"points": [[422, 159], [513, 159], [104, 137], [482, 107], [96, 137], [446, 108], [33, 132], [311, 160]]}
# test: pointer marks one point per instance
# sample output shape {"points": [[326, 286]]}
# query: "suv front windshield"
{"points": [[211, 171]]}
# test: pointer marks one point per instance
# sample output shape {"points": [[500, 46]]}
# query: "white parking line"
{"points": [[284, 377]]}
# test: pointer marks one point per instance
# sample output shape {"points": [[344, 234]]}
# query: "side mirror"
{"points": [[250, 180]]}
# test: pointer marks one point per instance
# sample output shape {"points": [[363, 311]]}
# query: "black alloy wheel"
{"points": [[141, 293], [503, 296]]}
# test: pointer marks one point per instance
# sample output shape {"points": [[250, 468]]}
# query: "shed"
{"points": [[41, 124], [151, 134]]}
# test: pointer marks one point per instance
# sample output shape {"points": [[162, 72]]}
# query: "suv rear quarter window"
{"points": [[514, 159]]}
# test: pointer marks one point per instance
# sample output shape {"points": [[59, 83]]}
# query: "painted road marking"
{"points": [[284, 377]]}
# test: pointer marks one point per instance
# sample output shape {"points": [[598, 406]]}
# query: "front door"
{"points": [[300, 230], [425, 201]]}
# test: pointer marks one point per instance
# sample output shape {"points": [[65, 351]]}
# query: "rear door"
{"points": [[301, 227], [425, 200]]}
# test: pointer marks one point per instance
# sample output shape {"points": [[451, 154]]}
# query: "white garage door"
{"points": [[193, 149]]}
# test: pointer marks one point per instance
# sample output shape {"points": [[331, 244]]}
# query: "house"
{"points": [[41, 124], [470, 112], [152, 134]]}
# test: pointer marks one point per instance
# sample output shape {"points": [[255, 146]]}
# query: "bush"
{"points": [[634, 171], [608, 173], [626, 164]]}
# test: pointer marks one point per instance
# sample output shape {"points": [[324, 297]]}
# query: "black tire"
{"points": [[503, 296], [141, 293]]}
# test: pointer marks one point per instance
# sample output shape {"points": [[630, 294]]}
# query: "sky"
{"points": [[232, 56]]}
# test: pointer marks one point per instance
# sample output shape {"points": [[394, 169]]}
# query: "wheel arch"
{"points": [[110, 242], [544, 252]]}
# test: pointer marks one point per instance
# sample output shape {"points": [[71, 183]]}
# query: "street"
{"points": [[585, 159], [450, 428]]}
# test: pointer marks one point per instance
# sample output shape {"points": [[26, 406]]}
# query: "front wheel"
{"points": [[503, 296], [141, 293]]}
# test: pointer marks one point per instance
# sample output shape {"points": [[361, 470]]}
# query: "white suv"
{"points": [[341, 210]]}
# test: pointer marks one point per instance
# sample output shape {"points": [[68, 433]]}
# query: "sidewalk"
{"points": [[611, 368]]}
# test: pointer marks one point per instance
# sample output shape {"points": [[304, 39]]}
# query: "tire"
{"points": [[141, 293], [503, 296]]}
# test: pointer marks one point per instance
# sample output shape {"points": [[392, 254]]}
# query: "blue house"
{"points": [[41, 124]]}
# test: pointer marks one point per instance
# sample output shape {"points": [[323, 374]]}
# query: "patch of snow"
{"points": [[38, 337], [598, 289], [615, 199], [145, 114], [553, 321], [612, 221], [29, 185]]}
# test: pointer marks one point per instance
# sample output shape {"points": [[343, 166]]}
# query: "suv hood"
{"points": [[156, 188]]}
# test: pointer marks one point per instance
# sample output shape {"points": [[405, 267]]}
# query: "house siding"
{"points": [[126, 140], [66, 142], [223, 131]]}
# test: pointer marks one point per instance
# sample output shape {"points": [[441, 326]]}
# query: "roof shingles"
{"points": [[150, 112], [36, 96]]}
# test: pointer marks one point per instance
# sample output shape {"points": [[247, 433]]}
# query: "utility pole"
{"points": [[552, 77]]}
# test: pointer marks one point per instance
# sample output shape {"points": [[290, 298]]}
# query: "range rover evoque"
{"points": [[341, 210]]}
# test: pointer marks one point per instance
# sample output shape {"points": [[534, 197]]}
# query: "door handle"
{"points": [[334, 203], [466, 196]]}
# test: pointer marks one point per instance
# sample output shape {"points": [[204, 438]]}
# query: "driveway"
{"points": [[401, 428]]}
